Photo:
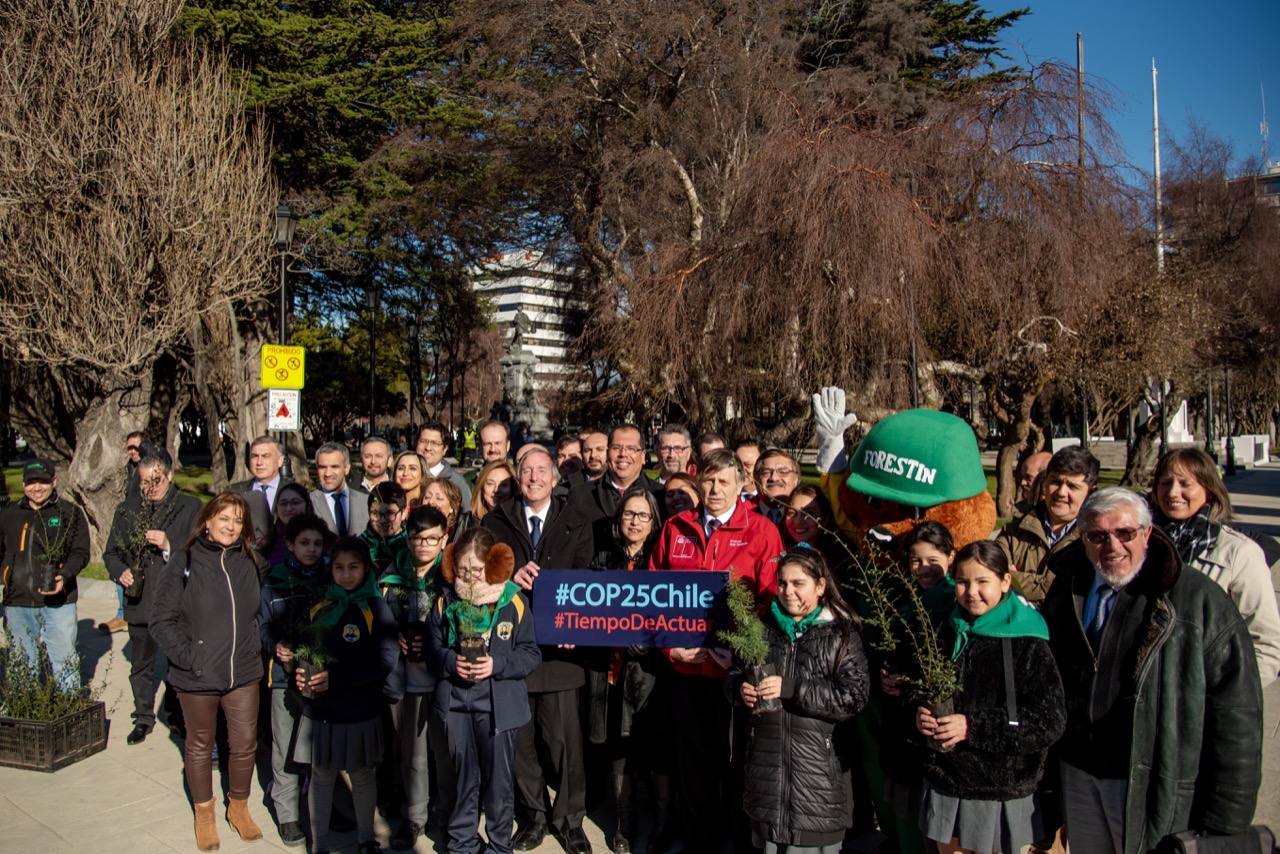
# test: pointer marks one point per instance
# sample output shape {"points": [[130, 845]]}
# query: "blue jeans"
{"points": [[56, 627], [119, 602]]}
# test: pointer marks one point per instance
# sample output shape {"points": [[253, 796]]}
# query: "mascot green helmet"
{"points": [[919, 457]]}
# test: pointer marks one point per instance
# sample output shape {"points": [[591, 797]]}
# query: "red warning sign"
{"points": [[283, 407]]}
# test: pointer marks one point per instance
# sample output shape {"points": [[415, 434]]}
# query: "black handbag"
{"points": [[1256, 840]]}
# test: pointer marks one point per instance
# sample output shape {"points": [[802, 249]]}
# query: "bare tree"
{"points": [[131, 206]]}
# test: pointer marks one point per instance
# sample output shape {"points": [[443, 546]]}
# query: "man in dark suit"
{"points": [[266, 457], [343, 508], [543, 530], [433, 444], [597, 501]]}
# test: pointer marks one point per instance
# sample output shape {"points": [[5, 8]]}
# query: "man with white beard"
{"points": [[1164, 704]]}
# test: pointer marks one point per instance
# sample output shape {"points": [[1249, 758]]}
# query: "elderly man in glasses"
{"points": [[1164, 704]]}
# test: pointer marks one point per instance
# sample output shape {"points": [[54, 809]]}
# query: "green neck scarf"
{"points": [[406, 575], [941, 596], [291, 575], [384, 551], [789, 624], [479, 618], [337, 601], [1012, 618]]}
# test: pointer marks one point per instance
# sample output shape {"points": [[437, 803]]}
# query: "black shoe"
{"points": [[530, 836], [574, 841], [406, 837], [139, 734], [370, 847], [339, 823], [291, 834]]}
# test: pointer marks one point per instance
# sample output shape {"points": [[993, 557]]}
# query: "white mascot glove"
{"points": [[830, 421]]}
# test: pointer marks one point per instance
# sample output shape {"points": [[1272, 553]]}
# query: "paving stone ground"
{"points": [[131, 800]]}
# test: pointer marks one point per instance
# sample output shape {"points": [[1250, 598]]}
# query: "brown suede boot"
{"points": [[238, 817], [206, 826]]}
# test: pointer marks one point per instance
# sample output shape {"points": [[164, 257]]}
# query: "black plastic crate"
{"points": [[50, 745]]}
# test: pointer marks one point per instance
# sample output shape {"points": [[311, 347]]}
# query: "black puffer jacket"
{"points": [[795, 791], [205, 618], [25, 533]]}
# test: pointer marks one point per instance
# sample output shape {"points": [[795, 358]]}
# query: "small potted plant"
{"points": [[311, 657], [135, 544], [417, 606], [747, 640], [55, 542], [473, 622]]}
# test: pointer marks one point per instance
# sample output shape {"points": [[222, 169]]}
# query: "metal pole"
{"points": [[1231, 445], [286, 469], [1208, 420], [1155, 131], [373, 365]]}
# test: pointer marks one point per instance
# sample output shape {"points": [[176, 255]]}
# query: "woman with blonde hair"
{"points": [[495, 483]]}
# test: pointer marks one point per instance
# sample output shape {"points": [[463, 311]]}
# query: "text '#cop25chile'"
{"points": [[611, 594]]}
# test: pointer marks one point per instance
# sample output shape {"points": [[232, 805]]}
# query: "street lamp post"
{"points": [[1231, 445], [1208, 421], [286, 222], [413, 366], [372, 294]]}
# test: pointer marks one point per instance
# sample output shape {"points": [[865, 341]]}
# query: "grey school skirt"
{"points": [[339, 746], [981, 826]]}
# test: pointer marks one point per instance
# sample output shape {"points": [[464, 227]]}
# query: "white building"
{"points": [[521, 281]]}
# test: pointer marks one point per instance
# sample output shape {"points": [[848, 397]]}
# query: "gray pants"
{"points": [[285, 792], [424, 750], [1093, 811]]}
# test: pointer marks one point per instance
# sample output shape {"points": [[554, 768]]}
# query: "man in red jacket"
{"points": [[724, 535]]}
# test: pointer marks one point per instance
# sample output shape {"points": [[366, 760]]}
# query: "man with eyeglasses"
{"points": [[146, 529], [432, 445], [597, 501], [1050, 526], [777, 474], [674, 448], [544, 529], [1164, 703], [134, 446]]}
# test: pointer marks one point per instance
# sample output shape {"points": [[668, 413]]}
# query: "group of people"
{"points": [[1109, 689]]}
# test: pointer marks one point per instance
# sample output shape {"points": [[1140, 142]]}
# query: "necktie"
{"points": [[339, 514], [535, 530], [712, 525], [266, 496], [1106, 595]]}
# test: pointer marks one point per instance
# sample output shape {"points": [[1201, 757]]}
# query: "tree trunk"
{"points": [[96, 476], [1143, 454]]}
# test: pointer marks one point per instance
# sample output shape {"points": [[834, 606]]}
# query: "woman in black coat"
{"points": [[205, 618], [795, 793], [626, 701]]}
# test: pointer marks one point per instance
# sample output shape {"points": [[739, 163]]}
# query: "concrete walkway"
{"points": [[131, 800]]}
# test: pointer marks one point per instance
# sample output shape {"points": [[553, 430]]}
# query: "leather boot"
{"points": [[206, 826], [238, 817], [664, 833], [622, 784]]}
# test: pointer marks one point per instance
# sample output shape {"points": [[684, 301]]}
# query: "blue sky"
{"points": [[1211, 59]]}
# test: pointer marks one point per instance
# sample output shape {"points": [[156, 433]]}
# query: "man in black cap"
{"points": [[44, 541]]}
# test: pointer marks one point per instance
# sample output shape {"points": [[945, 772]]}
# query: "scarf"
{"points": [[478, 615], [384, 552], [291, 575], [792, 627], [941, 596], [1191, 537], [337, 601], [1012, 618], [406, 575]]}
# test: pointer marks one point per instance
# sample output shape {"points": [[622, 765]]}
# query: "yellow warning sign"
{"points": [[283, 367]]}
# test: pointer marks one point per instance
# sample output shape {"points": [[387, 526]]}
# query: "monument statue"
{"points": [[519, 397]]}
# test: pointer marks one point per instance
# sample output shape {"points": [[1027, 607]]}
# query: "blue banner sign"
{"points": [[620, 608]]}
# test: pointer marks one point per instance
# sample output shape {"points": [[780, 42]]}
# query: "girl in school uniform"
{"points": [[341, 728], [795, 793], [482, 697], [979, 786]]}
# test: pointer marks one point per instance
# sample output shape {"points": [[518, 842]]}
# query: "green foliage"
{"points": [[32, 692], [747, 640], [310, 644], [472, 620]]}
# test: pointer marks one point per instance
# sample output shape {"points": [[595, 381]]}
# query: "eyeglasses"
{"points": [[1100, 538], [431, 443], [638, 515], [429, 539], [781, 471], [679, 449], [632, 450]]}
